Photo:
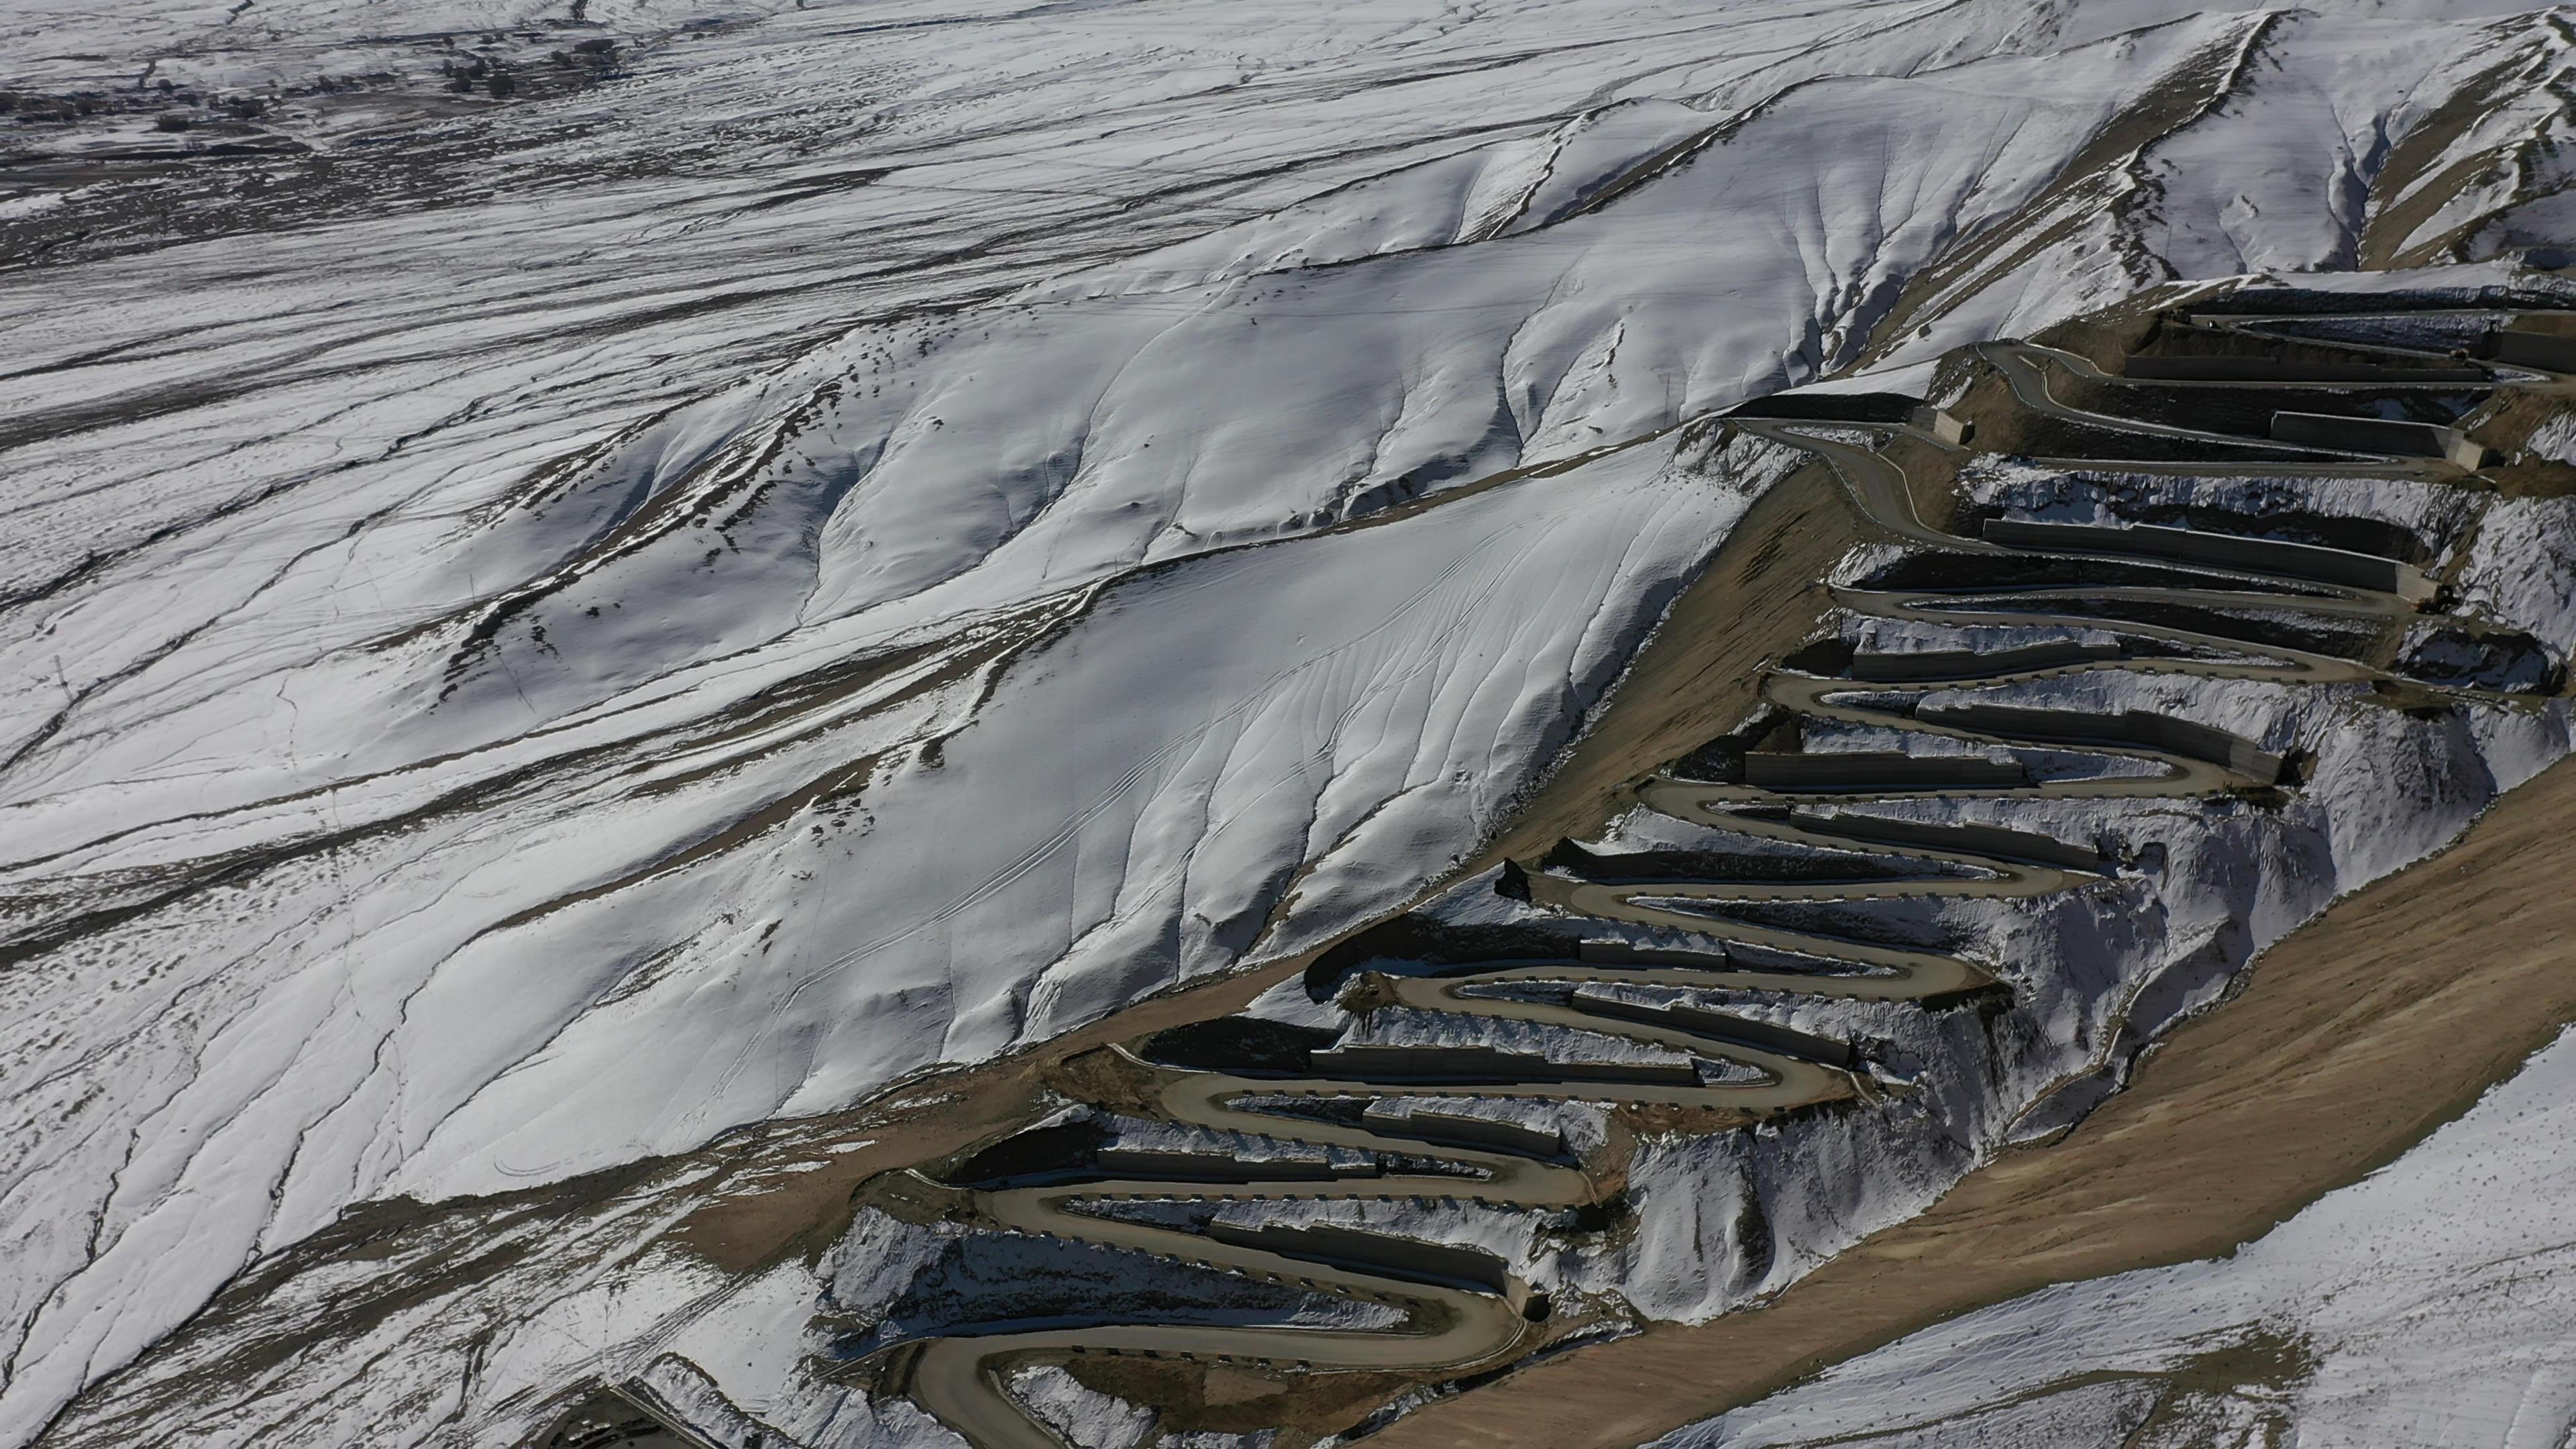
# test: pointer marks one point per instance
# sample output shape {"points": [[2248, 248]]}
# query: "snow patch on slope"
{"points": [[2414, 1322]]}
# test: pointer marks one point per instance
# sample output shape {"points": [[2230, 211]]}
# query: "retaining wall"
{"points": [[2256, 555], [1473, 1131], [2531, 349], [1872, 769], [2377, 435], [1171, 1164], [1722, 1027], [1830, 407], [1942, 424], [1400, 1257], [1966, 839], [1488, 1064], [1913, 665], [1620, 953], [2274, 369], [2130, 727]]}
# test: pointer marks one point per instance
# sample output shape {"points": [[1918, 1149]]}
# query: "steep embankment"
{"points": [[2352, 1039]]}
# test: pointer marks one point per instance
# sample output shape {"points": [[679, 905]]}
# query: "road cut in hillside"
{"points": [[2352, 1039]]}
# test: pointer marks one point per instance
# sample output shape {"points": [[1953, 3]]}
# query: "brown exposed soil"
{"points": [[1219, 1400], [1701, 673], [2350, 1041]]}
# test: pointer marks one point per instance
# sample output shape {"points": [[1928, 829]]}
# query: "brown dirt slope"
{"points": [[2350, 1041]]}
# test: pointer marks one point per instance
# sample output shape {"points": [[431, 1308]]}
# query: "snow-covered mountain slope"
{"points": [[537, 632], [2425, 1305]]}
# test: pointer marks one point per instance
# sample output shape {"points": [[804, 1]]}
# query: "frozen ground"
{"points": [[535, 632]]}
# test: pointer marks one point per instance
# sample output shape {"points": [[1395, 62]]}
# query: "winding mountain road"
{"points": [[1448, 1324]]}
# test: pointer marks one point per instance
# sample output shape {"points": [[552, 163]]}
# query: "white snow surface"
{"points": [[2430, 1303], [2521, 568], [889, 530], [1082, 1418]]}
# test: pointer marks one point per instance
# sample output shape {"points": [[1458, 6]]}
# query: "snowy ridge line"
{"points": [[1467, 1310]]}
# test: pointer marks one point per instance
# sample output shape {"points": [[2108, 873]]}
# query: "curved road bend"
{"points": [[1450, 1327], [2025, 365]]}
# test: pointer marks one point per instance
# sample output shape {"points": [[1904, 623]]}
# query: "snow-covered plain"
{"points": [[892, 529]]}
